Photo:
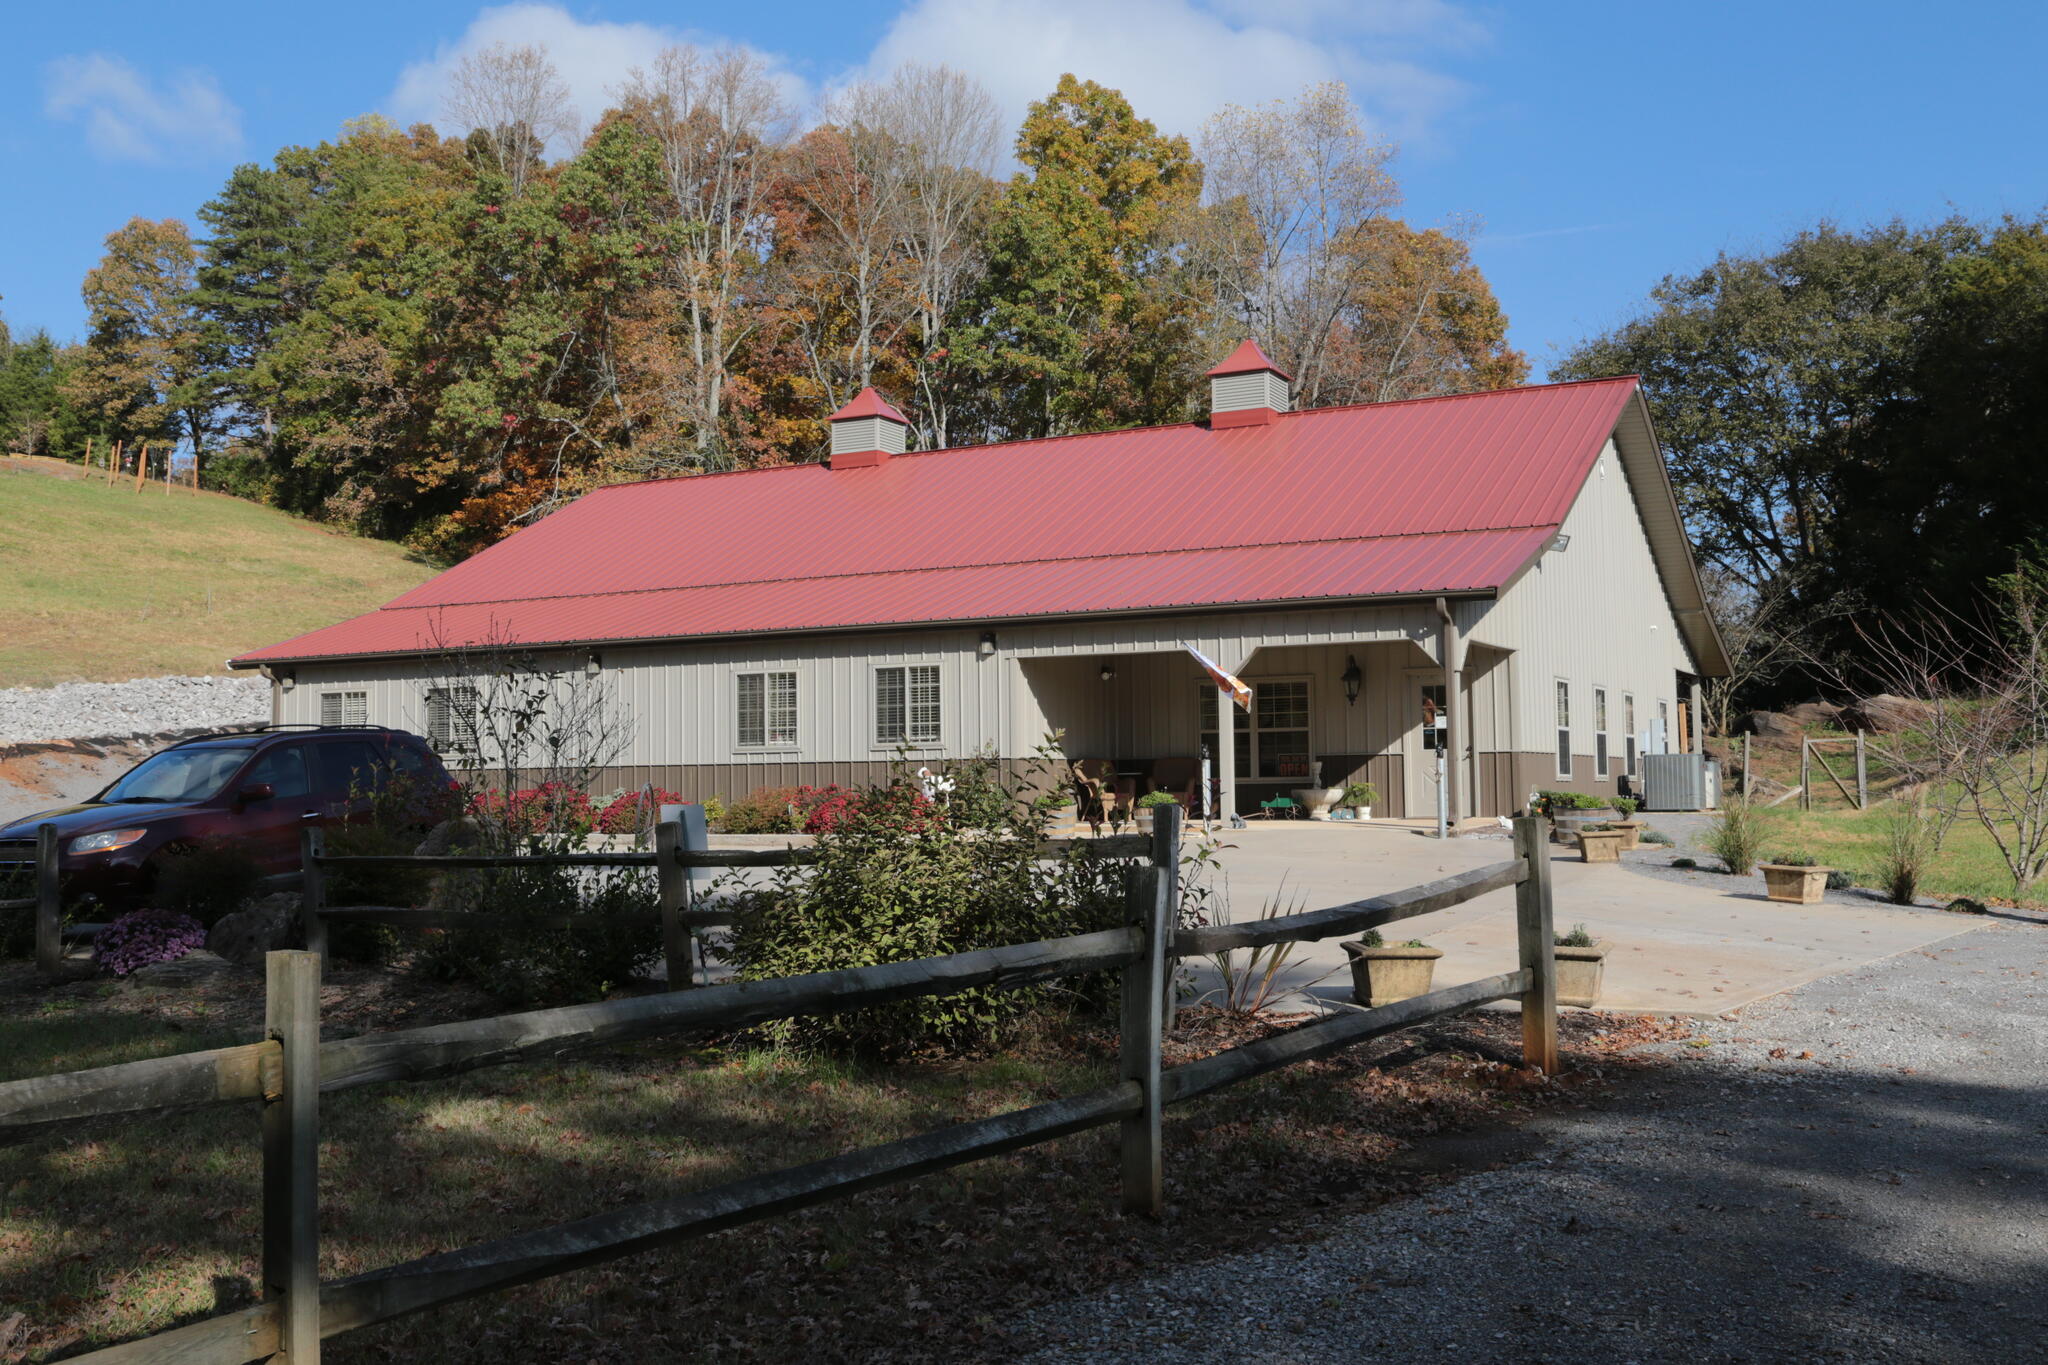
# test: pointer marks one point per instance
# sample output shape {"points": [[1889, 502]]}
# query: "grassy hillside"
{"points": [[101, 584]]}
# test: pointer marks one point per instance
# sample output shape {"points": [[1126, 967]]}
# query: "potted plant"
{"points": [[1630, 827], [1359, 798], [1570, 812], [1150, 802], [1581, 962], [1380, 974], [1796, 880]]}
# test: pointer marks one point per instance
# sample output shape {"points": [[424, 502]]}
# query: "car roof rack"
{"points": [[280, 727]]}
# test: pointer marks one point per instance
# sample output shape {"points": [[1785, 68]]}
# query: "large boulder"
{"points": [[1887, 714], [1812, 715], [261, 925], [450, 836], [1766, 723]]}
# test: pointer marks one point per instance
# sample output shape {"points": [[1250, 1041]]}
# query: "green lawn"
{"points": [[106, 583], [1969, 864]]}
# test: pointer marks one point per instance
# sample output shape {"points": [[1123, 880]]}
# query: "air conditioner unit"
{"points": [[1680, 782]]}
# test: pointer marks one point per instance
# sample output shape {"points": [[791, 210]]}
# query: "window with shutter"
{"points": [[907, 705], [1600, 773], [451, 719], [344, 708], [766, 710], [1564, 729]]}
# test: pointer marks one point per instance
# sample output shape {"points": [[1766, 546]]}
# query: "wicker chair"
{"points": [[1098, 790], [1182, 778]]}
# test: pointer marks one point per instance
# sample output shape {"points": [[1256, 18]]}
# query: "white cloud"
{"points": [[1178, 61], [129, 117], [594, 59]]}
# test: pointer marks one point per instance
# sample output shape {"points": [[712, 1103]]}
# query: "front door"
{"points": [[1426, 733]]}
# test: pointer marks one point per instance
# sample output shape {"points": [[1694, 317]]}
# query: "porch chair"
{"points": [[1098, 790], [1182, 779]]}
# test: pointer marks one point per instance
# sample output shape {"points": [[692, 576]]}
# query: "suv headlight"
{"points": [[105, 840]]}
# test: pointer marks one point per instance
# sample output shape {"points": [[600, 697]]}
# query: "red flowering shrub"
{"points": [[766, 811], [550, 808], [632, 812], [899, 808]]}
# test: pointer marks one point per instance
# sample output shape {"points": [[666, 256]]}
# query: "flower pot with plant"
{"points": [[1149, 804], [1383, 973], [1360, 798], [1630, 827], [1581, 963], [1796, 880]]}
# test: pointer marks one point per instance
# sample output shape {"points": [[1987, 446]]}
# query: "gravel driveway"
{"points": [[1856, 1170]]}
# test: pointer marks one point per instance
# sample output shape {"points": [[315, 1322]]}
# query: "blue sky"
{"points": [[1602, 146]]}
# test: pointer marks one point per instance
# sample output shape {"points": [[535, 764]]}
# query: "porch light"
{"points": [[1108, 670], [1352, 680], [593, 665], [987, 648], [1560, 542]]}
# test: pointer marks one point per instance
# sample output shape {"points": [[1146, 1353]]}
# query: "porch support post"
{"points": [[1226, 756], [1454, 709]]}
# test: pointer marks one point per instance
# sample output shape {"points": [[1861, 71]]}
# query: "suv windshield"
{"points": [[179, 775]]}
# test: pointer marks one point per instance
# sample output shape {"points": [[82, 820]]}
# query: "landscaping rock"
{"points": [[257, 928], [1886, 713], [195, 966], [1766, 723], [450, 836], [1812, 715]]}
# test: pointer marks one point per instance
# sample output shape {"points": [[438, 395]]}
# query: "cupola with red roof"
{"points": [[867, 431], [1247, 389]]}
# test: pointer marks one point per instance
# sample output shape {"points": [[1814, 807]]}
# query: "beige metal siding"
{"points": [[1237, 392], [851, 435]]}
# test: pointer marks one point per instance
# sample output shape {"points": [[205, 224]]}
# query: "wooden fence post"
{"points": [[291, 1153], [1745, 768], [1167, 823], [1805, 773], [1144, 988], [141, 466], [674, 882], [49, 906], [1538, 947], [312, 889], [1862, 775]]}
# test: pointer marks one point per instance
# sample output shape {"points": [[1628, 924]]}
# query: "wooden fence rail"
{"points": [[289, 1070]]}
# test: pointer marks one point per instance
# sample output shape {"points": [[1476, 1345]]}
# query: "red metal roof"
{"points": [[1248, 358], [1434, 495], [868, 403]]}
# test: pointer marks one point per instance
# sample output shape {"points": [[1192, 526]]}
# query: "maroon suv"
{"points": [[256, 789]]}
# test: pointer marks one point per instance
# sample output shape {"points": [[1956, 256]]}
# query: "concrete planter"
{"points": [[1565, 825], [1631, 830], [1601, 845], [1795, 885], [1317, 801], [1380, 976], [1579, 972]]}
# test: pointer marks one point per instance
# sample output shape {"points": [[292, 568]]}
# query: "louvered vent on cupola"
{"points": [[867, 431], [1248, 389]]}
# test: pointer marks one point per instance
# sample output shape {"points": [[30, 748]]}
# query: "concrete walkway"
{"points": [[1698, 946]]}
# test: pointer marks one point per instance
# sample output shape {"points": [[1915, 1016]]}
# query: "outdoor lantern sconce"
{"points": [[288, 679], [1352, 680], [1108, 670], [593, 664], [987, 648]]}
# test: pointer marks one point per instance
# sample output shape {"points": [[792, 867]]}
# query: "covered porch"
{"points": [[1322, 715]]}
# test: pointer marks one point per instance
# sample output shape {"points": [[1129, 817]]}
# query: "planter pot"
{"points": [[1631, 831], [1317, 801], [1795, 885], [1601, 845], [1565, 825], [1380, 976], [1579, 971]]}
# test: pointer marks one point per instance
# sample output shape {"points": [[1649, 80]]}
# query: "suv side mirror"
{"points": [[255, 791]]}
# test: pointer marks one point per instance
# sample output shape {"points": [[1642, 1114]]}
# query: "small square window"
{"points": [[344, 708], [907, 704], [451, 719], [766, 710]]}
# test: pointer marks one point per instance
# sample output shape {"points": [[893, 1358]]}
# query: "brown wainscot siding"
{"points": [[1382, 770], [731, 781]]}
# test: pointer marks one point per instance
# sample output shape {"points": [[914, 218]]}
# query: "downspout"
{"points": [[1454, 718]]}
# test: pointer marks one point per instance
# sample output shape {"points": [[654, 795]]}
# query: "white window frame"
{"points": [[1561, 700], [444, 732], [1602, 751], [347, 703], [1630, 746], [910, 677], [1664, 726], [1247, 728], [780, 721]]}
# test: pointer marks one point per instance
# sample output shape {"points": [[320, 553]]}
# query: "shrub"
{"points": [[1360, 794], [714, 812], [526, 955], [1653, 836], [1153, 800], [1627, 805], [1839, 880], [766, 810], [635, 812], [1548, 803], [893, 880], [1578, 937], [1684, 862], [206, 879], [1908, 848], [1738, 835], [553, 808], [142, 937]]}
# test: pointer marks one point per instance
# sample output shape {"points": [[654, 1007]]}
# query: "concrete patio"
{"points": [[1702, 945]]}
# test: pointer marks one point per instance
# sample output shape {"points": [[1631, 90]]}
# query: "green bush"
{"points": [[887, 889], [765, 810], [1578, 937], [1151, 800], [1684, 862], [1739, 835], [1627, 805], [1549, 803], [1360, 794], [1840, 880], [523, 954], [1653, 836]]}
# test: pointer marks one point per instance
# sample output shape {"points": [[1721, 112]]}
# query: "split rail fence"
{"points": [[291, 1068]]}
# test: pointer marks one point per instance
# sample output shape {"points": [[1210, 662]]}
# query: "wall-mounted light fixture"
{"points": [[288, 679], [1352, 680], [1560, 542], [594, 664], [987, 648], [1108, 670]]}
